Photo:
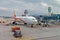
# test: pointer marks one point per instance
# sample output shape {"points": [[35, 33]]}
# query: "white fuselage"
{"points": [[27, 19]]}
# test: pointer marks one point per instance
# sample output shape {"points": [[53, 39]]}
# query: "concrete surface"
{"points": [[37, 33]]}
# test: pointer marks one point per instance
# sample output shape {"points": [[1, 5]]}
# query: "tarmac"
{"points": [[36, 33]]}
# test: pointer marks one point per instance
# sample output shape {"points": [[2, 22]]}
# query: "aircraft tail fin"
{"points": [[14, 15]]}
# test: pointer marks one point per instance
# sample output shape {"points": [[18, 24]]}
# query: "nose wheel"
{"points": [[25, 23], [32, 26]]}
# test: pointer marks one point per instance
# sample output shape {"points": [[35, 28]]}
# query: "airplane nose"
{"points": [[36, 21]]}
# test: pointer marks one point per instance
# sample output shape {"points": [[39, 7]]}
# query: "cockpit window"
{"points": [[33, 19]]}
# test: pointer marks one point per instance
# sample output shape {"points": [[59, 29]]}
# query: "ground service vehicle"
{"points": [[17, 33], [15, 27]]}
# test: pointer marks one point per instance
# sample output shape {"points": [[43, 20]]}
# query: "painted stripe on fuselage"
{"points": [[19, 19]]}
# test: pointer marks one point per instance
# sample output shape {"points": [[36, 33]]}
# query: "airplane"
{"points": [[25, 19]]}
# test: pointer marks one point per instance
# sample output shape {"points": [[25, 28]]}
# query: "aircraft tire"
{"points": [[25, 23], [32, 26]]}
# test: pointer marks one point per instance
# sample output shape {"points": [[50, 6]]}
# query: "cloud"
{"points": [[22, 5], [44, 4], [57, 2], [36, 6], [5, 9], [8, 9]]}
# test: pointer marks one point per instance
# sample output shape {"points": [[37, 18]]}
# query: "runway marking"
{"points": [[23, 38]]}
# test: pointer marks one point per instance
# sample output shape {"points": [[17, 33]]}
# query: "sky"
{"points": [[33, 6]]}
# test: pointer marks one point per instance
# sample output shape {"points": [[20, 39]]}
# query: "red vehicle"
{"points": [[15, 28]]}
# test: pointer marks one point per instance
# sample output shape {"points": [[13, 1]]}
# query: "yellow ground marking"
{"points": [[15, 26], [23, 38]]}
